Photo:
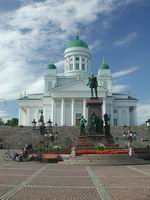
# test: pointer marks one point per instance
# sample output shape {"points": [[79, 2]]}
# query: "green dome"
{"points": [[77, 43], [51, 66], [104, 66]]}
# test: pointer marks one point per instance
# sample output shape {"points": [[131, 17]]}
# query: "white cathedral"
{"points": [[64, 97]]}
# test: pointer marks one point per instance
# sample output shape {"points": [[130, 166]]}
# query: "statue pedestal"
{"points": [[86, 142], [95, 132], [94, 105], [73, 152]]}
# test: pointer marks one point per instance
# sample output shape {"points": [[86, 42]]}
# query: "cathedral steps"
{"points": [[16, 137], [106, 160]]}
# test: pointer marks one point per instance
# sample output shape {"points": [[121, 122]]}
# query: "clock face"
{"points": [[77, 58]]}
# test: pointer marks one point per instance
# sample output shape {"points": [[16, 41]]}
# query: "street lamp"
{"points": [[45, 131], [129, 137], [148, 124]]}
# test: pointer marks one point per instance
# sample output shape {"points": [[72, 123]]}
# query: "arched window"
{"points": [[83, 66], [77, 66], [77, 58], [67, 67], [71, 66]]}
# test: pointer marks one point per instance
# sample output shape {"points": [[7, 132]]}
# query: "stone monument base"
{"points": [[91, 141]]}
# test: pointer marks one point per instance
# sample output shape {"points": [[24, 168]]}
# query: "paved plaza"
{"points": [[47, 181]]}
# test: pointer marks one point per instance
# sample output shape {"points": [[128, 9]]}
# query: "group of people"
{"points": [[95, 124], [24, 152]]}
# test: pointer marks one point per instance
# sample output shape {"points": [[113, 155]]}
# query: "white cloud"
{"points": [[60, 66], [119, 88], [143, 112], [126, 40], [36, 32], [124, 72], [37, 86], [4, 115], [96, 45], [117, 77]]}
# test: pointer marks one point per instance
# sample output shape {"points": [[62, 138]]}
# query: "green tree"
{"points": [[1, 122], [12, 122]]}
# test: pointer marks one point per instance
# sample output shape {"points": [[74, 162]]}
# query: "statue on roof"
{"points": [[93, 85]]}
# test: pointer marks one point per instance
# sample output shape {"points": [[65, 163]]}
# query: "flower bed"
{"points": [[51, 157], [79, 152]]}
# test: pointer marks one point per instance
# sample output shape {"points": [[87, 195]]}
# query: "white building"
{"points": [[64, 97]]}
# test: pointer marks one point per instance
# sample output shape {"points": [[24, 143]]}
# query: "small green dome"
{"points": [[104, 66], [51, 66], [77, 43]]}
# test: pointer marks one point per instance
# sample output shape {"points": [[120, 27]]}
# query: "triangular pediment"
{"points": [[76, 88], [73, 86]]}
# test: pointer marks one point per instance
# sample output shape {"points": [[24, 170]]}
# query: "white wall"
{"points": [[68, 113], [58, 113]]}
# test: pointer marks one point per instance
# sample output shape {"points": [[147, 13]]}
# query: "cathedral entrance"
{"points": [[78, 117]]}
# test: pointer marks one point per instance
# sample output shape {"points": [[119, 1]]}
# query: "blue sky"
{"points": [[35, 32]]}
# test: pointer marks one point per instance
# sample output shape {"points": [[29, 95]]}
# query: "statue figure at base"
{"points": [[99, 126], [82, 126], [106, 124], [92, 123], [93, 85]]}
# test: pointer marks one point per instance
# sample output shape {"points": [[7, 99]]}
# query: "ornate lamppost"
{"points": [[148, 124], [130, 136], [45, 131]]}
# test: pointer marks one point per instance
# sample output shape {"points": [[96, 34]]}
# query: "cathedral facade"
{"points": [[64, 97]]}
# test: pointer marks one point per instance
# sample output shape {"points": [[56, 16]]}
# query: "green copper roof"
{"points": [[76, 43], [104, 66], [51, 66]]}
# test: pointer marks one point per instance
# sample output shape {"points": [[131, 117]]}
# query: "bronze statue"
{"points": [[107, 124], [99, 125], [82, 126], [41, 117], [93, 85], [92, 122]]}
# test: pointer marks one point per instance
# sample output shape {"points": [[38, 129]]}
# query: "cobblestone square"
{"points": [[47, 181]]}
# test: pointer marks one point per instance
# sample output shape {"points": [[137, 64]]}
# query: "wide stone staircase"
{"points": [[17, 137], [106, 160]]}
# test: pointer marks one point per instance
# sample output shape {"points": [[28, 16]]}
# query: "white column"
{"points": [[74, 63], [135, 116], [86, 68], [23, 117], [80, 63], [127, 117], [44, 113], [89, 65], [72, 113], [28, 119], [20, 119], [62, 112], [53, 111], [84, 108], [112, 116], [119, 117], [104, 106]]}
